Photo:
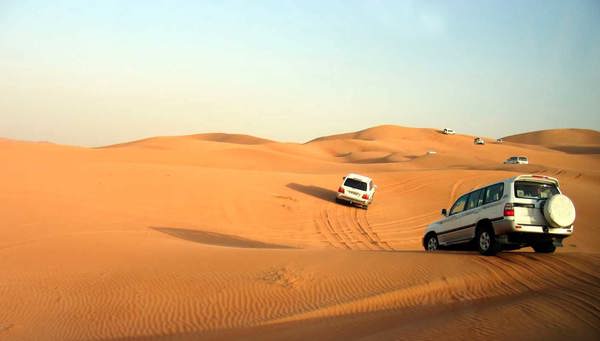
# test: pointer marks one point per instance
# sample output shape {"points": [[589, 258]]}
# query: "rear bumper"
{"points": [[508, 226], [517, 239], [353, 200]]}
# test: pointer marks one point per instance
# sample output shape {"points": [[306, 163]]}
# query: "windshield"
{"points": [[356, 184], [534, 190]]}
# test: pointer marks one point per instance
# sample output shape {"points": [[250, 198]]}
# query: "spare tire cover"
{"points": [[559, 211]]}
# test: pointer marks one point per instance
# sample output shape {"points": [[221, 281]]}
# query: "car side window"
{"points": [[475, 199], [494, 193], [459, 205]]}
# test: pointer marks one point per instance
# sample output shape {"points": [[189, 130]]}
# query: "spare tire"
{"points": [[559, 211]]}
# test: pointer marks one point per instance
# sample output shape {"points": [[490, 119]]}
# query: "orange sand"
{"points": [[222, 236]]}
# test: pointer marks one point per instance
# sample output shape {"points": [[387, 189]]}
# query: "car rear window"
{"points": [[356, 184], [522, 158], [534, 190]]}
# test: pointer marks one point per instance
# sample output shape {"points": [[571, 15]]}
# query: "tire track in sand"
{"points": [[367, 228], [332, 235], [349, 228]]}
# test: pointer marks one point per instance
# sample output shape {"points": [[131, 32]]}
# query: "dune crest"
{"points": [[573, 141], [231, 138], [165, 141]]}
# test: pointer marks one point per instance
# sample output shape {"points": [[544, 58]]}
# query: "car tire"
{"points": [[339, 201], [431, 243], [486, 241], [545, 247]]}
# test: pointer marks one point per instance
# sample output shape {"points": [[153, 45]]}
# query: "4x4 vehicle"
{"points": [[517, 160], [356, 189], [526, 210], [478, 140], [448, 131]]}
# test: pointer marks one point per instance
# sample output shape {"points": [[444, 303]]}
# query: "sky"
{"points": [[94, 73]]}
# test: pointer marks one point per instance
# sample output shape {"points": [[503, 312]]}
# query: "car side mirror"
{"points": [[343, 178], [444, 212]]}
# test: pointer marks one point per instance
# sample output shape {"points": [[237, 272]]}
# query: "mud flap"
{"points": [[503, 239]]}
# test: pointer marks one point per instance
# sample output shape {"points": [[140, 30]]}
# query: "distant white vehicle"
{"points": [[448, 131], [431, 152], [356, 189], [499, 140], [478, 140], [525, 210], [517, 160]]}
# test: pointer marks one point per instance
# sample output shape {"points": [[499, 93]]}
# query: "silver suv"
{"points": [[526, 210]]}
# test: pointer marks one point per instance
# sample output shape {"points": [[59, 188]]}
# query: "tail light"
{"points": [[509, 210], [365, 196], [341, 189]]}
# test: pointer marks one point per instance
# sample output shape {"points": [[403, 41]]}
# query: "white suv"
{"points": [[448, 131], [356, 189], [526, 210], [517, 160]]}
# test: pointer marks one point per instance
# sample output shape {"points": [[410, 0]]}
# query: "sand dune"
{"points": [[557, 137], [166, 141], [222, 236], [232, 138], [572, 141]]}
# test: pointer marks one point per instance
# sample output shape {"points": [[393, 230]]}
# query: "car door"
{"points": [[472, 214], [448, 232], [463, 222]]}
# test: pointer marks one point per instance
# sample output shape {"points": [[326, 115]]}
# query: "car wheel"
{"points": [[545, 247], [486, 242], [339, 201], [431, 242]]}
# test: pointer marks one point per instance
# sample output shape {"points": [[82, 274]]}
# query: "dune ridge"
{"points": [[557, 137], [572, 141]]}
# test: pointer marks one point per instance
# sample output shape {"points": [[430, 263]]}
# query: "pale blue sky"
{"points": [[100, 72]]}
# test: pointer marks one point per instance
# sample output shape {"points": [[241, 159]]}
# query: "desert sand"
{"points": [[218, 236]]}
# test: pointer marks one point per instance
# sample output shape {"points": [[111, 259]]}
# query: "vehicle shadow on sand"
{"points": [[217, 239], [315, 191]]}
